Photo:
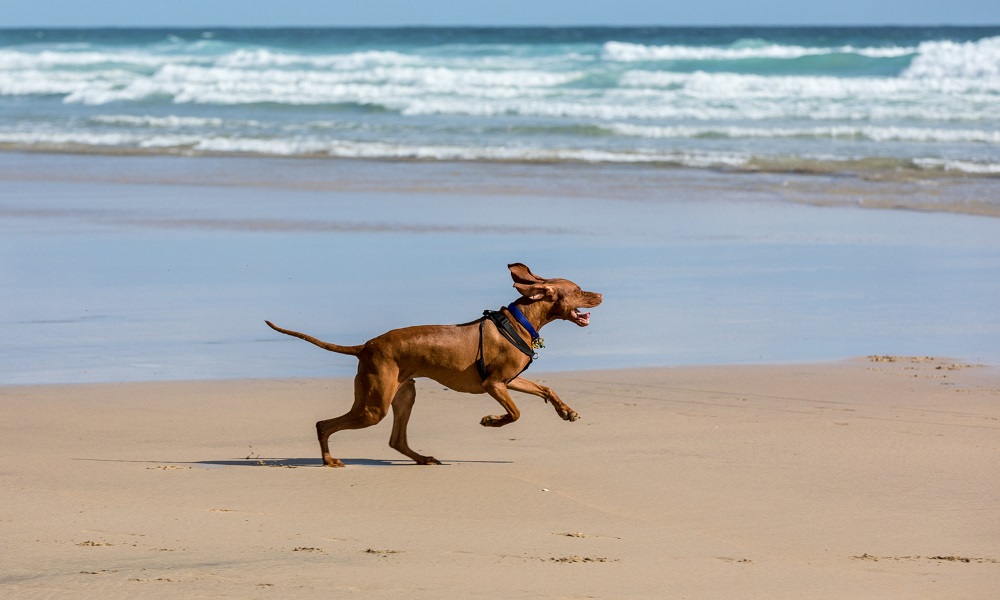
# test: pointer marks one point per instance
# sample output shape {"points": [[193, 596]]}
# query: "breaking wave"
{"points": [[925, 99]]}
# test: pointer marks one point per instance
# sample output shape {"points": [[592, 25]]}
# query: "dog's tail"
{"points": [[352, 350]]}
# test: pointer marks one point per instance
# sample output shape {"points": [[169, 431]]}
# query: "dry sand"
{"points": [[862, 479]]}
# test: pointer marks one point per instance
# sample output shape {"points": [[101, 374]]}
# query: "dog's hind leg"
{"points": [[372, 397], [402, 404]]}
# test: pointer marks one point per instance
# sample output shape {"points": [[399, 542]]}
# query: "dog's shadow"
{"points": [[288, 463], [294, 463]]}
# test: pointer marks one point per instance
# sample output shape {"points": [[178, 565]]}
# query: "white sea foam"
{"points": [[869, 132], [306, 146], [962, 166], [31, 82], [628, 52], [169, 121], [264, 58], [966, 60], [579, 102], [51, 59], [217, 85], [313, 146], [69, 138], [741, 85]]}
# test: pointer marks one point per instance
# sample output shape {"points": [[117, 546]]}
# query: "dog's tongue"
{"points": [[583, 318]]}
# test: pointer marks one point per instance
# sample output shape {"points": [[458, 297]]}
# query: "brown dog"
{"points": [[472, 357]]}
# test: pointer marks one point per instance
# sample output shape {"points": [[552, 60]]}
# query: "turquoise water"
{"points": [[884, 100]]}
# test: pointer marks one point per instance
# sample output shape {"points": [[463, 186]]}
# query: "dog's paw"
{"points": [[567, 414], [493, 421], [428, 460]]}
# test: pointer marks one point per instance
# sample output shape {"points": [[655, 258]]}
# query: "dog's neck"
{"points": [[537, 311], [519, 317]]}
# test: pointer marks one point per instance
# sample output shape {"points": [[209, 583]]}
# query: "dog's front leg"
{"points": [[530, 387], [498, 390]]}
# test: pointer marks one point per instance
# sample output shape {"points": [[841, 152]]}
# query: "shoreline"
{"points": [[971, 194], [534, 373], [833, 480]]}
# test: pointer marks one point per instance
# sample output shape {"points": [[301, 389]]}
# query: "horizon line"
{"points": [[514, 26]]}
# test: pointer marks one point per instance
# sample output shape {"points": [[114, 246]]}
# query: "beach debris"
{"points": [[306, 549], [99, 572], [92, 543], [382, 553], [581, 559], [255, 456], [888, 358], [580, 534], [941, 558]]}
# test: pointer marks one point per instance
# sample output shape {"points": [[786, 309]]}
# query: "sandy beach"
{"points": [[869, 478], [790, 391], [158, 439]]}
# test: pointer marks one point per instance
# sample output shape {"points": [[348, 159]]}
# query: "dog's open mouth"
{"points": [[581, 318]]}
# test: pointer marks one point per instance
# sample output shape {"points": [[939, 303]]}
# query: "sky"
{"points": [[265, 13]]}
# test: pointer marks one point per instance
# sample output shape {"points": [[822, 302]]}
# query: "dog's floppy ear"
{"points": [[520, 273], [537, 291]]}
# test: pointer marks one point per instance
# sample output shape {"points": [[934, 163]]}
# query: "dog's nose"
{"points": [[600, 297]]}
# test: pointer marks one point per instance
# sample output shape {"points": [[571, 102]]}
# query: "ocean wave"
{"points": [[961, 166], [672, 108], [663, 99], [739, 85], [171, 121], [876, 133], [217, 85], [845, 132], [52, 59], [963, 60], [630, 52], [412, 85], [322, 147], [639, 95], [304, 146], [257, 59], [33, 82], [263, 58]]}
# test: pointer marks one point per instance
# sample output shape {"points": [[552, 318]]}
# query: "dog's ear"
{"points": [[537, 291], [521, 274]]}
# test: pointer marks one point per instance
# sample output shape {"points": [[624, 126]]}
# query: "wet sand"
{"points": [[870, 478], [134, 268]]}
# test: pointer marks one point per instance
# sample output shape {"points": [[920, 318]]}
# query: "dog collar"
{"points": [[523, 320]]}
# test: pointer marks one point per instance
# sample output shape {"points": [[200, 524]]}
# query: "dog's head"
{"points": [[566, 297]]}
